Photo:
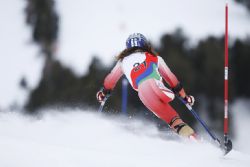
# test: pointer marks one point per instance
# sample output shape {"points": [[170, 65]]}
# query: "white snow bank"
{"points": [[18, 57], [88, 139], [241, 115]]}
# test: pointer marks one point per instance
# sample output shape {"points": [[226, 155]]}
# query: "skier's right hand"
{"points": [[102, 93], [189, 99]]}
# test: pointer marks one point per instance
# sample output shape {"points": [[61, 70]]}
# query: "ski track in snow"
{"points": [[72, 139]]}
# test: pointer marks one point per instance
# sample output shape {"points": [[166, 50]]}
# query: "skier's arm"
{"points": [[112, 78], [110, 82], [170, 78]]}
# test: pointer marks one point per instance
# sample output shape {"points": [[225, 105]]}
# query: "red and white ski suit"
{"points": [[145, 72]]}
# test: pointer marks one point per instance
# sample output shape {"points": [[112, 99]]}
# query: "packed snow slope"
{"points": [[77, 139]]}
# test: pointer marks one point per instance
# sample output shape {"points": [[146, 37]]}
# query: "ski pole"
{"points": [[103, 103], [200, 120]]}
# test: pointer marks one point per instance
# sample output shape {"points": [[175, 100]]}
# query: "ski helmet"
{"points": [[136, 40]]}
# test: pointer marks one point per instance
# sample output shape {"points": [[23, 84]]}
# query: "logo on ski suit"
{"points": [[145, 70]]}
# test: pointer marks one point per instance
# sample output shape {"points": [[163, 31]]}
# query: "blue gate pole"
{"points": [[124, 95]]}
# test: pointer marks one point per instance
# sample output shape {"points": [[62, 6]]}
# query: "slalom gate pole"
{"points": [[124, 95], [103, 103], [200, 121], [227, 147], [227, 142], [226, 78]]}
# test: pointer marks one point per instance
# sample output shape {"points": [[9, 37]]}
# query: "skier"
{"points": [[144, 70]]}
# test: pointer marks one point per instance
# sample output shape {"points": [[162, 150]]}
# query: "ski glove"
{"points": [[189, 99], [102, 93]]}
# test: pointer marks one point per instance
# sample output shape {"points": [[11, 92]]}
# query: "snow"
{"points": [[19, 57], [240, 114], [76, 138]]}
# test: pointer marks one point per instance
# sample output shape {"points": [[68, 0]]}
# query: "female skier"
{"points": [[144, 70]]}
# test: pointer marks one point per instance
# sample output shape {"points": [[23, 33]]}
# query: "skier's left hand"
{"points": [[189, 99]]}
